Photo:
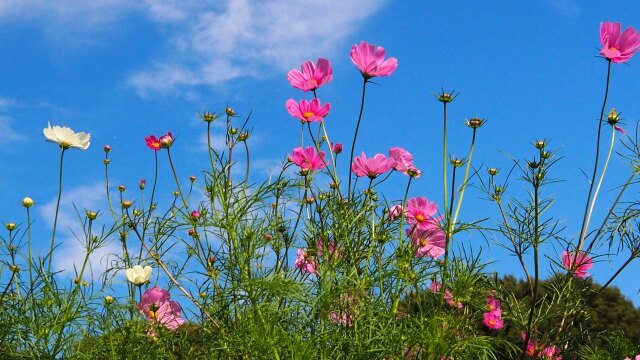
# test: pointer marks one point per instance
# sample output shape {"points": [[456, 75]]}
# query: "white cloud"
{"points": [[9, 134], [71, 251], [249, 38]]}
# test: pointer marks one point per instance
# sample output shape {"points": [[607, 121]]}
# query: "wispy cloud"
{"points": [[247, 39], [567, 7], [9, 134], [71, 251]]}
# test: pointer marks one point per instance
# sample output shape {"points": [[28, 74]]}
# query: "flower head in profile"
{"points": [[67, 138], [370, 60], [311, 76], [308, 111], [428, 242], [308, 159], [577, 263], [618, 47], [138, 275], [395, 212], [305, 263], [372, 167], [153, 143], [420, 212], [166, 140], [404, 162]]}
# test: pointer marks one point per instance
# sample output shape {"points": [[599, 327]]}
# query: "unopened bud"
{"points": [[493, 171], [27, 202], [122, 188], [209, 117], [127, 204], [192, 178], [229, 111], [613, 117], [108, 299], [91, 215], [540, 144], [243, 137], [475, 123], [106, 148], [106, 161], [11, 226]]}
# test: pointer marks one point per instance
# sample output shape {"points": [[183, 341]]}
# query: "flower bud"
{"points": [[195, 215], [540, 144], [91, 215], [108, 300], [445, 97], [336, 148], [456, 162], [106, 161], [192, 178], [475, 123], [493, 171], [127, 204], [106, 148], [229, 111], [14, 268], [613, 117], [243, 136], [546, 154], [27, 202], [233, 131], [142, 183], [122, 188], [209, 117], [11, 226], [193, 233]]}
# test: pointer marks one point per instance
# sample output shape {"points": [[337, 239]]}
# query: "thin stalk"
{"points": [[448, 233], [175, 176], [444, 158], [633, 256], [536, 264], [355, 135], [55, 218], [465, 179], [585, 220]]}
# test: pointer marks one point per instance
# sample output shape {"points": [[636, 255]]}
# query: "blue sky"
{"points": [[122, 70]]}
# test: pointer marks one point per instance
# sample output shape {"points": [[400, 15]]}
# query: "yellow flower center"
{"points": [[153, 314], [492, 322], [613, 48], [420, 217], [423, 242], [307, 114]]}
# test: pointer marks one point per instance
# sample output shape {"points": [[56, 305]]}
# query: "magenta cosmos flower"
{"points": [[428, 242], [166, 140], [420, 212], [312, 75], [308, 159], [305, 263], [493, 320], [578, 264], [156, 305], [395, 212], [618, 47], [404, 162], [370, 60], [372, 167], [153, 143], [307, 111]]}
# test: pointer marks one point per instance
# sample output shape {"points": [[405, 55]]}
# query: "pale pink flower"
{"points": [[420, 212], [168, 315], [493, 303], [157, 307], [307, 111], [372, 167], [166, 140], [308, 159], [493, 320], [618, 47], [448, 297], [578, 264], [395, 212], [404, 162], [370, 60], [305, 263], [551, 353], [428, 242], [312, 75]]}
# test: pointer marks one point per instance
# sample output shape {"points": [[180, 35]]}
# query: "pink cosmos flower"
{"points": [[395, 212], [615, 46], [195, 215], [493, 320], [307, 111], [420, 212], [332, 248], [494, 304], [404, 162], [370, 60], [308, 159], [157, 307], [312, 75], [623, 132], [372, 167], [153, 143], [578, 264], [166, 140], [305, 263], [341, 318], [142, 183], [551, 353], [428, 242], [448, 297], [531, 346]]}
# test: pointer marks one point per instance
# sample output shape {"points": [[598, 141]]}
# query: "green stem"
{"points": [[355, 135], [175, 176], [55, 218], [464, 180]]}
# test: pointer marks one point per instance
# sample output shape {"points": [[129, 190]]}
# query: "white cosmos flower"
{"points": [[138, 275], [66, 138]]}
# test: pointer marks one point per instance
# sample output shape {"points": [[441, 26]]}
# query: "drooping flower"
{"points": [[428, 242], [493, 320], [420, 212], [618, 47], [308, 159], [308, 111], [370, 60], [166, 140], [138, 275], [395, 212], [372, 167], [577, 263], [153, 143], [156, 305], [312, 75], [305, 263], [448, 297], [67, 138], [404, 162]]}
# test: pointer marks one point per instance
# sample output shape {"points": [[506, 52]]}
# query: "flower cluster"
{"points": [[493, 318], [541, 351], [425, 232], [156, 305], [436, 287], [306, 263]]}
